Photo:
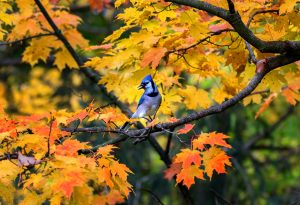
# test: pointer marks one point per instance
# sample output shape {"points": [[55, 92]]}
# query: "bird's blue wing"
{"points": [[142, 99]]}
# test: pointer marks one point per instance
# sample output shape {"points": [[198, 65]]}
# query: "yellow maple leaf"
{"points": [[287, 6], [63, 58], [38, 49], [193, 97]]}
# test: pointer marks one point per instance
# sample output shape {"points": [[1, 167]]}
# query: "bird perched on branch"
{"points": [[149, 101]]}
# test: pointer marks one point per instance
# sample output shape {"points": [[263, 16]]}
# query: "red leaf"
{"points": [[81, 115], [172, 119], [218, 27], [173, 170], [186, 129]]}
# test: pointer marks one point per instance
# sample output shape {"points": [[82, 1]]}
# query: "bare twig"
{"points": [[26, 39], [48, 141], [246, 180], [201, 41], [170, 136], [154, 196], [9, 156], [260, 12], [220, 197]]}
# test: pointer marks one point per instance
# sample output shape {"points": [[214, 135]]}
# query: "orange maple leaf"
{"points": [[72, 179], [187, 157], [106, 150], [211, 139], [119, 169], [215, 159], [70, 147], [81, 115], [266, 104], [186, 129], [172, 119], [290, 93], [188, 174], [153, 57]]}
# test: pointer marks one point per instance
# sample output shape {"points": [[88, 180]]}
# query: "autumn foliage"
{"points": [[202, 61]]}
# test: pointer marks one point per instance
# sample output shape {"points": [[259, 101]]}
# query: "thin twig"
{"points": [[246, 180], [260, 12], [253, 140], [154, 196], [220, 197], [26, 39], [48, 141], [201, 40], [170, 136]]}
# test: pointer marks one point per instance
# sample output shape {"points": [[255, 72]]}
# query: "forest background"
{"points": [[227, 131]]}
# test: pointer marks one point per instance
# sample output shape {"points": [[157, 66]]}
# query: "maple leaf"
{"points": [[80, 116], [194, 97], [188, 174], [103, 46], [70, 147], [153, 57], [186, 129], [63, 58], [153, 122], [172, 119], [119, 169], [106, 150], [211, 139], [215, 159], [266, 104], [71, 179], [187, 157], [219, 26], [291, 93], [97, 6], [173, 170]]}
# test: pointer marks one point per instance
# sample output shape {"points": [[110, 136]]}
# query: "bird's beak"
{"points": [[141, 86]]}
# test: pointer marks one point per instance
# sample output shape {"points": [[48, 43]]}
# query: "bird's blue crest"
{"points": [[147, 78]]}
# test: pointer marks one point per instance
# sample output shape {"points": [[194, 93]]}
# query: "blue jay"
{"points": [[149, 102]]}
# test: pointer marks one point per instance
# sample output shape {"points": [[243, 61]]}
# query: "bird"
{"points": [[149, 102]]}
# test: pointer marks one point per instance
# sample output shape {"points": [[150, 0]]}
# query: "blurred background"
{"points": [[265, 154]]}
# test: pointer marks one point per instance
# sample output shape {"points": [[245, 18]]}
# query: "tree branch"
{"points": [[231, 6], [26, 38], [9, 156], [201, 40], [271, 63], [252, 141], [260, 12], [236, 22]]}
